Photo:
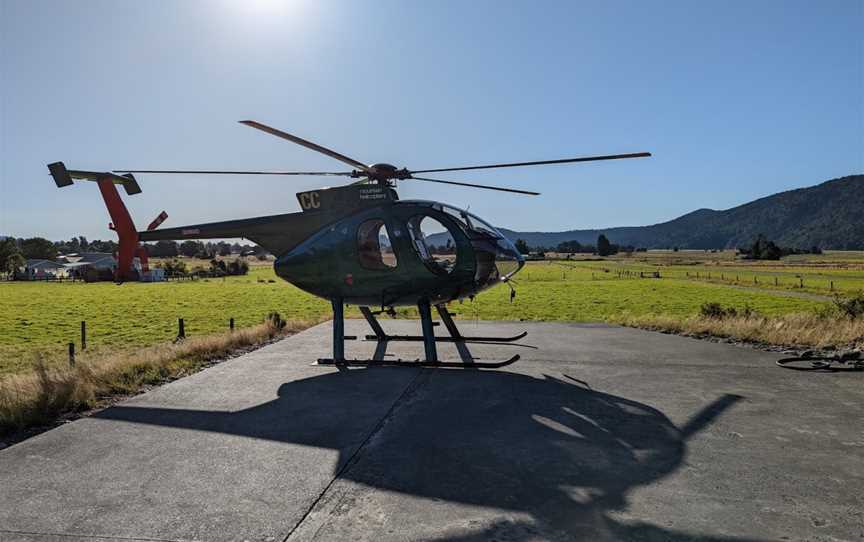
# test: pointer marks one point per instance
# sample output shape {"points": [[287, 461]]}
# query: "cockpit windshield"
{"points": [[470, 222]]}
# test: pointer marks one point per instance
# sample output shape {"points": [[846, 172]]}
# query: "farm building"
{"points": [[87, 266], [90, 266], [43, 269]]}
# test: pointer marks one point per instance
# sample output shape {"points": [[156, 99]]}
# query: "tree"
{"points": [[224, 249], [37, 248], [573, 246], [191, 248], [763, 249], [164, 249], [103, 246], [604, 247], [10, 256], [522, 246]]}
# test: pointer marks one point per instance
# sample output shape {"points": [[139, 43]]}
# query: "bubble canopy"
{"points": [[485, 238], [470, 222]]}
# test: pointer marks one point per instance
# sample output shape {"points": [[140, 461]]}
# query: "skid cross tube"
{"points": [[338, 332], [428, 330]]}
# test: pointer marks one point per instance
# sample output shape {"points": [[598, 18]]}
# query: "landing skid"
{"points": [[417, 363], [429, 341], [460, 338], [446, 317]]}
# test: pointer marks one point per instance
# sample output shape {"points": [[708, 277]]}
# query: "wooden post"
{"points": [[181, 329], [775, 281], [83, 335], [801, 281], [231, 324], [71, 354], [832, 285], [755, 279]]}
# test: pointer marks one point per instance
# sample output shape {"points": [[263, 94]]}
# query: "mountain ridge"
{"points": [[829, 215]]}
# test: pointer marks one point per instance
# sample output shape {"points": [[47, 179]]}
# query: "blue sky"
{"points": [[737, 100]]}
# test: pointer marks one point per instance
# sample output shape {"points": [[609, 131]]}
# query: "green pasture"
{"points": [[823, 278], [44, 317]]}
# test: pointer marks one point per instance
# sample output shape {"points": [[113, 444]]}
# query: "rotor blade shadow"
{"points": [[708, 414]]}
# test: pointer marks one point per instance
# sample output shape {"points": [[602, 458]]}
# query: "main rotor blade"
{"points": [[477, 186], [308, 144], [219, 172], [540, 163]]}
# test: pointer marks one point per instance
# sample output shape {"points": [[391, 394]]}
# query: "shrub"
{"points": [[712, 310], [718, 311], [274, 319], [851, 307]]}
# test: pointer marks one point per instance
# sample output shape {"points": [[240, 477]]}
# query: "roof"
{"points": [[42, 263], [89, 257]]}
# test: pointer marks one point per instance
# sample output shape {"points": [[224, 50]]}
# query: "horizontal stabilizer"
{"points": [[60, 173], [63, 177]]}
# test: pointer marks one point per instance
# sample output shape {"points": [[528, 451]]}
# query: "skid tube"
{"points": [[418, 363], [446, 317]]}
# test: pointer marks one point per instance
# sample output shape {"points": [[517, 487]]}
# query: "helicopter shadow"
{"points": [[544, 446]]}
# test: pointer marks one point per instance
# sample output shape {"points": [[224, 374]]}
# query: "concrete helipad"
{"points": [[598, 433]]}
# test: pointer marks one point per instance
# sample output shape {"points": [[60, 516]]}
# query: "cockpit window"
{"points": [[469, 221], [373, 245], [433, 242]]}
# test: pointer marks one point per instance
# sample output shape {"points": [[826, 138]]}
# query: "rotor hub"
{"points": [[387, 172]]}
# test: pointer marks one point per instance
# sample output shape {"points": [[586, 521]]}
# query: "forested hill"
{"points": [[829, 215]]}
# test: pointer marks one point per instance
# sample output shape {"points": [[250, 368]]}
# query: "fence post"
{"points": [[71, 354], [231, 323], [775, 281], [83, 335], [832, 285], [755, 279], [801, 281], [181, 329]]}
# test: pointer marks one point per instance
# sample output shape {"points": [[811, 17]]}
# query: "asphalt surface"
{"points": [[598, 433]]}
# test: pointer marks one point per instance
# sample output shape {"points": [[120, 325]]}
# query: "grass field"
{"points": [[38, 317]]}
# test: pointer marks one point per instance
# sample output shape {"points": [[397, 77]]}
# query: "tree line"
{"points": [[764, 249], [603, 247], [14, 252]]}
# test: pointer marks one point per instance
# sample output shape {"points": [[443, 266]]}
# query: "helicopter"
{"points": [[356, 244]]}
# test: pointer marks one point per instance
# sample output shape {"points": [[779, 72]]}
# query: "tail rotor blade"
{"points": [[308, 144], [540, 163], [487, 187]]}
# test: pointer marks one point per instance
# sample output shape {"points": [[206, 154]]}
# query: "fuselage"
{"points": [[398, 253]]}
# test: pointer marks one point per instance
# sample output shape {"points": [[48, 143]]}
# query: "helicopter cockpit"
{"points": [[496, 257]]}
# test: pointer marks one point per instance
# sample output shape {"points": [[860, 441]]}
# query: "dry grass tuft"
{"points": [[54, 389], [801, 330]]}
